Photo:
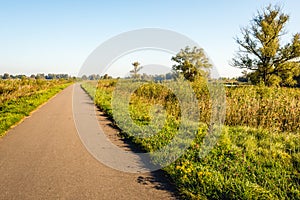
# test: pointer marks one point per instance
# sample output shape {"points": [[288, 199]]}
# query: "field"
{"points": [[20, 97], [256, 157]]}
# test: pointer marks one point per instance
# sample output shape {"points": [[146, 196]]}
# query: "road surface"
{"points": [[43, 158]]}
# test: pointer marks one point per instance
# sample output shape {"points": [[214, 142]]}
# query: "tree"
{"points": [[40, 76], [50, 76], [244, 77], [169, 75], [106, 76], [32, 76], [92, 77], [261, 52], [136, 69], [6, 76], [84, 77], [191, 63]]}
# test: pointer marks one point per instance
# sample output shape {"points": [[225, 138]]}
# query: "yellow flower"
{"points": [[208, 173], [188, 170], [200, 174]]}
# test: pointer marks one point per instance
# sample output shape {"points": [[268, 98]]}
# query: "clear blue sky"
{"points": [[57, 36]]}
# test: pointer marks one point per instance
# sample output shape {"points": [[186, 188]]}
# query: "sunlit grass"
{"points": [[20, 97], [257, 155]]}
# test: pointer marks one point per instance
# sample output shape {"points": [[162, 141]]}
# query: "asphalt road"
{"points": [[43, 158]]}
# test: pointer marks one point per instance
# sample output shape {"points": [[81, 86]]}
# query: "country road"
{"points": [[43, 158]]}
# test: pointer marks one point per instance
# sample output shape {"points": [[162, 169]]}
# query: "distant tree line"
{"points": [[134, 73], [95, 77], [157, 77], [36, 76], [144, 76], [246, 78]]}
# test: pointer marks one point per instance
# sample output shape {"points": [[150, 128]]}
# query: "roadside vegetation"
{"points": [[257, 155], [250, 161], [19, 97]]}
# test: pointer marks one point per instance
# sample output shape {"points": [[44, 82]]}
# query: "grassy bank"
{"points": [[20, 97], [256, 157]]}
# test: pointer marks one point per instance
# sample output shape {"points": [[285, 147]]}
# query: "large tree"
{"points": [[262, 52], [191, 63]]}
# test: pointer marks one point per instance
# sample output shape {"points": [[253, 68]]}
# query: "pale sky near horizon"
{"points": [[57, 36]]}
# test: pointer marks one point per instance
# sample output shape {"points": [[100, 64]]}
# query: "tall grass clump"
{"points": [[268, 107]]}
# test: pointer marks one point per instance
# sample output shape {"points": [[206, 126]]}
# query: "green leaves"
{"points": [[192, 63], [261, 52]]}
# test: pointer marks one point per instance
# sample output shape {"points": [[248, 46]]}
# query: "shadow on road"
{"points": [[158, 179]]}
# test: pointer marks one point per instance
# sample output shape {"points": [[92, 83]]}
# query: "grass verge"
{"points": [[14, 110], [246, 163]]}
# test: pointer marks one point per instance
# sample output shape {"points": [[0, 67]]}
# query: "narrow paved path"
{"points": [[43, 158]]}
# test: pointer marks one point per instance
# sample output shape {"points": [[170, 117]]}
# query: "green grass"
{"points": [[248, 162], [15, 109]]}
